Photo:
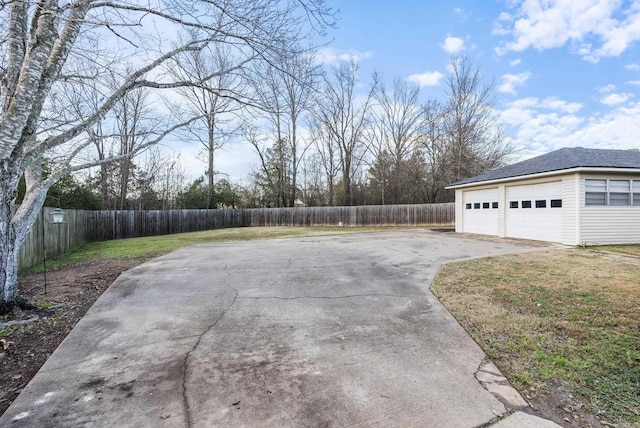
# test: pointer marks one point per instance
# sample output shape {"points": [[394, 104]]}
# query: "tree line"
{"points": [[320, 140]]}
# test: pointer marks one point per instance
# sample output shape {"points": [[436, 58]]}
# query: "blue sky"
{"points": [[566, 72]]}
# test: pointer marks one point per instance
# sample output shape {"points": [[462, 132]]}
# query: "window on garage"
{"points": [[595, 192], [541, 203], [556, 203], [476, 206], [619, 193], [495, 204], [513, 204], [468, 206], [526, 204], [485, 205]]}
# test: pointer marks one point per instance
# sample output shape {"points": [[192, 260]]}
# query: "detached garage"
{"points": [[573, 196]]}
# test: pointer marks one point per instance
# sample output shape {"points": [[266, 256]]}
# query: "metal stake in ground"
{"points": [[58, 216], [44, 254]]}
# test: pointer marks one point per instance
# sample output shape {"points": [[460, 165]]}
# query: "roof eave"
{"points": [[544, 174]]}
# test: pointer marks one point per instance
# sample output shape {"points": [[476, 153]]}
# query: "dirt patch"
{"points": [[559, 404], [30, 337]]}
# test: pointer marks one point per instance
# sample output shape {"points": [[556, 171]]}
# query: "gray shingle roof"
{"points": [[565, 158]]}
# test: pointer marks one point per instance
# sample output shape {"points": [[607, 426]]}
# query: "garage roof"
{"points": [[565, 158]]}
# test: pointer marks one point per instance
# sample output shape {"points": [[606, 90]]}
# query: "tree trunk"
{"points": [[331, 191], [124, 182], [8, 261], [346, 178], [210, 149], [13, 231]]}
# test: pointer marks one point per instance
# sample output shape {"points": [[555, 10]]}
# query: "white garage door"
{"points": [[535, 212], [480, 211]]}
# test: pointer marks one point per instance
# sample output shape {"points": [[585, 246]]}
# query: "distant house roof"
{"points": [[565, 158]]}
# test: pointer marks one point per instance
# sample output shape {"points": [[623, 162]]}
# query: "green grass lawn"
{"points": [[568, 317]]}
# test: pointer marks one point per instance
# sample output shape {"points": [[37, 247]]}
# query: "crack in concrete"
{"points": [[350, 296], [187, 357], [490, 378]]}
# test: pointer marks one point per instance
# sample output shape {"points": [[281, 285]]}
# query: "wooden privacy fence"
{"points": [[88, 226], [55, 239], [368, 215], [106, 225]]}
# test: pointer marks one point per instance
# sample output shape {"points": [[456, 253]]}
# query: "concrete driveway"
{"points": [[331, 331]]}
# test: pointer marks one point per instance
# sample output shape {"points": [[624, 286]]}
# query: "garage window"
{"points": [[476, 206], [618, 193], [595, 192], [495, 204], [541, 204], [468, 206], [513, 204], [526, 204], [485, 205], [556, 203]]}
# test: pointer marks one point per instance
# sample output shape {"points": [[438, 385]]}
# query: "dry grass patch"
{"points": [[567, 317], [630, 250]]}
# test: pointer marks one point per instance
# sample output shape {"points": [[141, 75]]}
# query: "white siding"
{"points": [[570, 207], [608, 224], [501, 213], [459, 210]]}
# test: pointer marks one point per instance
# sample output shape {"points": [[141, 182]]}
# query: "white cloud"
{"points": [[615, 99], [553, 103], [634, 82], [540, 126], [607, 89], [515, 62], [500, 26], [594, 29], [333, 56], [632, 67], [510, 81], [429, 78], [462, 14], [453, 45]]}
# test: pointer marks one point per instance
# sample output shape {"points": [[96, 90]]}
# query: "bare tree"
{"points": [[283, 93], [314, 191], [41, 42], [327, 151], [159, 180], [398, 120], [461, 136], [475, 142], [434, 147], [215, 101], [344, 118], [134, 121]]}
